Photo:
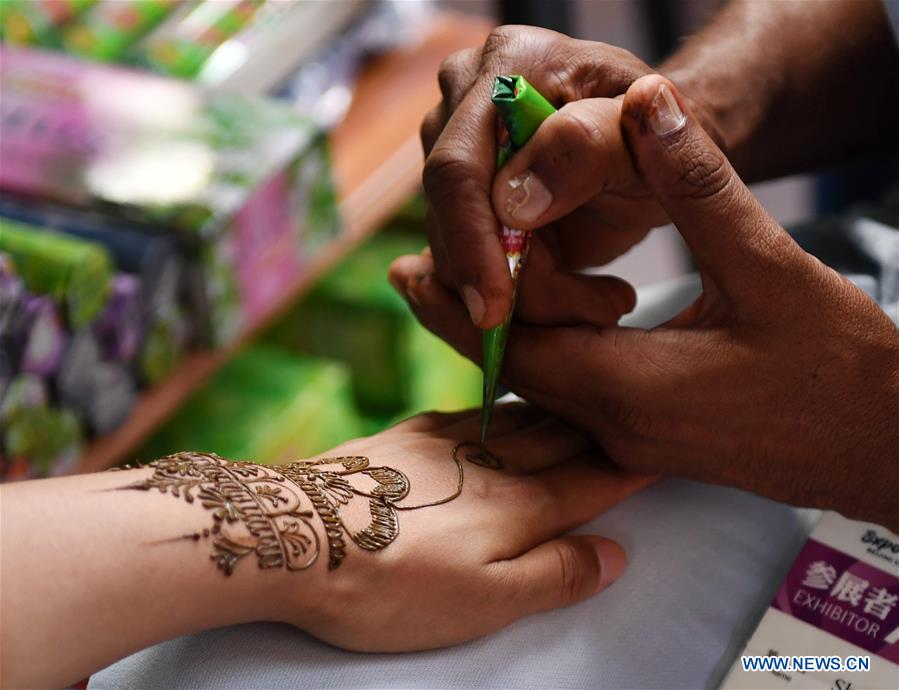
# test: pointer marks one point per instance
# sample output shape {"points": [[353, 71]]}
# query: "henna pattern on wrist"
{"points": [[270, 511]]}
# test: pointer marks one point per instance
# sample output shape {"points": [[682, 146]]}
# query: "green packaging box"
{"points": [[266, 405]]}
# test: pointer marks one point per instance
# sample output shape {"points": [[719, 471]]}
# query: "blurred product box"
{"points": [[38, 21], [225, 46], [355, 316], [193, 34], [146, 310], [252, 46], [83, 359], [110, 27], [35, 438], [73, 272], [243, 181], [266, 405]]}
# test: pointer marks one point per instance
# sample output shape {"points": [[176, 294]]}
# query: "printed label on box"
{"points": [[839, 601]]}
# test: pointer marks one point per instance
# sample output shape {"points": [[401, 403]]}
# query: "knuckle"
{"points": [[430, 129], [629, 417], [704, 173], [434, 417], [497, 42], [577, 132], [595, 69], [632, 420], [572, 574], [527, 490], [445, 171], [449, 71]]}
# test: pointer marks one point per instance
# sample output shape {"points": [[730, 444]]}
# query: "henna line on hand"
{"points": [[248, 516]]}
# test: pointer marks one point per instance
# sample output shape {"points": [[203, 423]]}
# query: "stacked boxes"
{"points": [[37, 436], [228, 175], [39, 21], [253, 46]]}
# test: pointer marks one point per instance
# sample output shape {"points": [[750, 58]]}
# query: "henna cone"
{"points": [[521, 109]]}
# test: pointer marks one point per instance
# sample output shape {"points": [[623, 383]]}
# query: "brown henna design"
{"points": [[477, 454], [270, 510]]}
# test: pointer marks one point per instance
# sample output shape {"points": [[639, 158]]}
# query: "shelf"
{"points": [[377, 162]]}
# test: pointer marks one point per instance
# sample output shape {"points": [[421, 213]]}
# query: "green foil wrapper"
{"points": [[521, 109]]}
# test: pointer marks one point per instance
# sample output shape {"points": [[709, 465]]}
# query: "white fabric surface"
{"points": [[704, 563]]}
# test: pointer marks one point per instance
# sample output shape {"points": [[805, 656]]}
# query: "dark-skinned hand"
{"points": [[574, 179], [782, 378]]}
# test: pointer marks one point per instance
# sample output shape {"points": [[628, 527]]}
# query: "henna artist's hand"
{"points": [[395, 546], [782, 378], [574, 176]]}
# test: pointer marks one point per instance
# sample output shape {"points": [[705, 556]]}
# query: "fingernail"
{"points": [[665, 115], [475, 303], [612, 561], [411, 288], [528, 197]]}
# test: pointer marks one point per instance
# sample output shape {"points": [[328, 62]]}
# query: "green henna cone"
{"points": [[521, 109]]}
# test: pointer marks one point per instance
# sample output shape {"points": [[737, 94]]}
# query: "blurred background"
{"points": [[199, 200]]}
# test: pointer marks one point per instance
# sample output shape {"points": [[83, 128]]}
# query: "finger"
{"points": [[569, 494], [456, 76], [508, 418], [575, 154], [438, 250], [729, 233], [549, 296], [457, 178], [560, 572], [430, 128], [549, 362], [431, 422], [437, 308], [583, 239], [603, 229], [539, 446]]}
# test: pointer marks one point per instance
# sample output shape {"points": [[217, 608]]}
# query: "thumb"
{"points": [[566, 162], [563, 571], [729, 233]]}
